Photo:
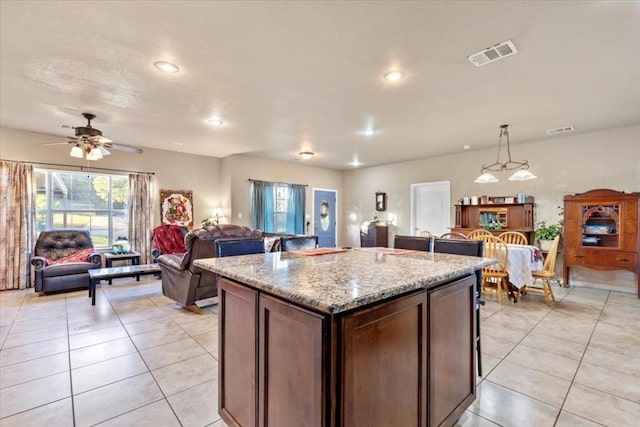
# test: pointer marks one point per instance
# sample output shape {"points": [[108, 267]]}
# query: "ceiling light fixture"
{"points": [[167, 67], [368, 132], [94, 154], [89, 150], [522, 174], [215, 122], [394, 76], [77, 151], [305, 155]]}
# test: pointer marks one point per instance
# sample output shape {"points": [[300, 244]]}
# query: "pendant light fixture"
{"points": [[522, 173]]}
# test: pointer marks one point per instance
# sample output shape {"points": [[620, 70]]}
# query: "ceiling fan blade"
{"points": [[127, 148], [99, 139], [55, 143]]}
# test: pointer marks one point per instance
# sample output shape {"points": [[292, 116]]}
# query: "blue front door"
{"points": [[324, 217]]}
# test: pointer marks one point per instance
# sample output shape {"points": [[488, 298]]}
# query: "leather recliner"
{"points": [[53, 245], [185, 283]]}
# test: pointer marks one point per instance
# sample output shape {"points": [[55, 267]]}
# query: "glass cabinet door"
{"points": [[601, 225]]}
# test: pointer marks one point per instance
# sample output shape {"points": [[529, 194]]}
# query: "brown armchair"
{"points": [[185, 283], [55, 266]]}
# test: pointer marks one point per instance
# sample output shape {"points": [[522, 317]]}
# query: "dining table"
{"points": [[523, 260]]}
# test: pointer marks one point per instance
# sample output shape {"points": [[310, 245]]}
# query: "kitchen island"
{"points": [[355, 338]]}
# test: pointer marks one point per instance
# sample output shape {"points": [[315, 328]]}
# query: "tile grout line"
{"points": [[564, 401], [164, 396]]}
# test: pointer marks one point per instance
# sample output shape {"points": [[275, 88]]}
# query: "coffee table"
{"points": [[97, 274], [132, 256]]}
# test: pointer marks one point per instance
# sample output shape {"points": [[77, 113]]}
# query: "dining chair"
{"points": [[417, 243], [547, 274], [495, 279], [477, 234], [426, 233], [455, 236], [514, 238]]}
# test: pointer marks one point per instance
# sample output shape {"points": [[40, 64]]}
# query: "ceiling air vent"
{"points": [[556, 131], [493, 53]]}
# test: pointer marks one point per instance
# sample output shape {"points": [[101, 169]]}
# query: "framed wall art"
{"points": [[176, 207], [381, 201]]}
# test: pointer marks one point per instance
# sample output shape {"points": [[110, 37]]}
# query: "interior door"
{"points": [[431, 207], [324, 217]]}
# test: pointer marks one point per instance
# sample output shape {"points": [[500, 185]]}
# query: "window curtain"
{"points": [[295, 209], [17, 219], [141, 191], [263, 205]]}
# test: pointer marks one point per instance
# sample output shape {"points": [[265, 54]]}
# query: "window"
{"points": [[278, 207], [97, 202], [280, 212]]}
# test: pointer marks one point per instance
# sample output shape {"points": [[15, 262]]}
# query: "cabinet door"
{"points": [[384, 364], [452, 377], [238, 364], [292, 365]]}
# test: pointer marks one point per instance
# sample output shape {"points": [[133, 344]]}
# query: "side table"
{"points": [[132, 256]]}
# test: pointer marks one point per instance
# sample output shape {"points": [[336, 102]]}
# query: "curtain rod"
{"points": [[82, 168], [276, 182]]}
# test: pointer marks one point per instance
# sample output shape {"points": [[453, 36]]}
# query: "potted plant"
{"points": [[545, 234]]}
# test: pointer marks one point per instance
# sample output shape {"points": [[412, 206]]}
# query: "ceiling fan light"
{"points": [[104, 151], [76, 151], [94, 154], [522, 175], [486, 178]]}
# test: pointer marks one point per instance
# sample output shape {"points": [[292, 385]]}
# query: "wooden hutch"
{"points": [[601, 231], [510, 216], [374, 234]]}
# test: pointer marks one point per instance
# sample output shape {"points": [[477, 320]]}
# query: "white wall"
{"points": [[564, 165], [173, 171], [238, 169]]}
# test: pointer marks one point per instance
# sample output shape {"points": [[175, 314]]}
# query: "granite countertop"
{"points": [[341, 281]]}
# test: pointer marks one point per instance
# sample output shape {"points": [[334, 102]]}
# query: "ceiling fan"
{"points": [[88, 142]]}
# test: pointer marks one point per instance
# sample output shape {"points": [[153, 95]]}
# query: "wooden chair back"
{"points": [[477, 234], [514, 238], [457, 236], [426, 233], [495, 248]]}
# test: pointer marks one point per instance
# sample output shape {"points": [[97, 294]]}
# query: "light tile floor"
{"points": [[137, 359]]}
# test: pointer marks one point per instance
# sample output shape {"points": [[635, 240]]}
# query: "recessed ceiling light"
{"points": [[177, 144], [355, 163], [305, 155], [394, 75], [466, 147], [167, 67], [215, 122], [368, 132]]}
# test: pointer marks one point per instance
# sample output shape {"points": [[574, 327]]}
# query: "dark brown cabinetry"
{"points": [[404, 361], [601, 232], [510, 216], [451, 349], [376, 234], [388, 334]]}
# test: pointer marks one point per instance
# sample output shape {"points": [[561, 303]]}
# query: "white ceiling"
{"points": [[287, 77]]}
